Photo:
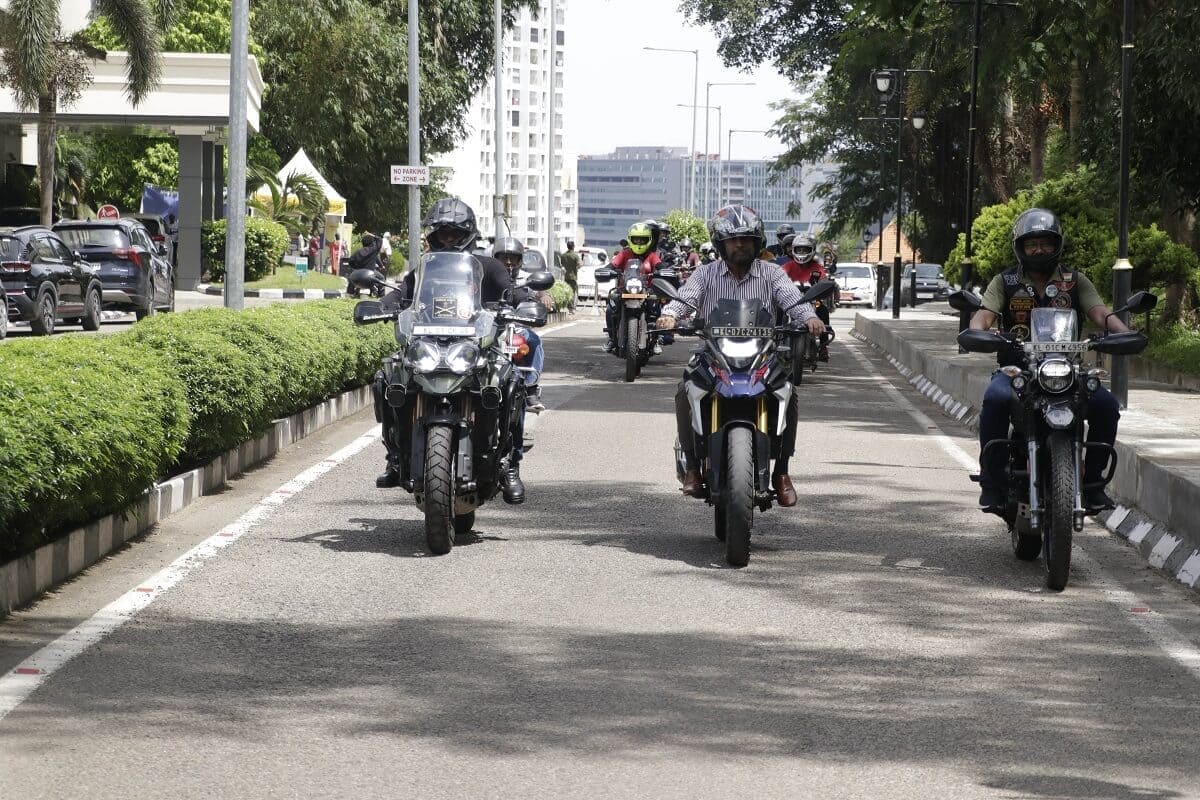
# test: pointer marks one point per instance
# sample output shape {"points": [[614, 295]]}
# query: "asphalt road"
{"points": [[882, 643]]}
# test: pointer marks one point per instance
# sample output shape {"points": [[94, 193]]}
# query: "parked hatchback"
{"points": [[45, 282], [134, 269]]}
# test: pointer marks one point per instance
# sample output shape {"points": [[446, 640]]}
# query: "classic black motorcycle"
{"points": [[1046, 446], [453, 387], [739, 386], [806, 347], [639, 307]]}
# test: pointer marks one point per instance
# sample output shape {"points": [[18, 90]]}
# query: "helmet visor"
{"points": [[639, 241]]}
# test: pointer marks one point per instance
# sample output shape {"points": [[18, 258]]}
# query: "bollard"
{"points": [[912, 288]]}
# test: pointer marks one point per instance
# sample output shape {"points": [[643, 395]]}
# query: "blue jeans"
{"points": [[1103, 412]]}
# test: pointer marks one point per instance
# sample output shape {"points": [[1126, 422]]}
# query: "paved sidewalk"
{"points": [[1158, 471]]}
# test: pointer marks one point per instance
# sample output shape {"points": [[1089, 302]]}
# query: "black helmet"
{"points": [[452, 219], [508, 244], [784, 230], [685, 244], [733, 222], [801, 241], [1036, 223], [368, 239]]}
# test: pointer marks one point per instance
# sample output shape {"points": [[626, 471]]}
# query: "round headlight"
{"points": [[423, 356], [1056, 375], [633, 285], [461, 357], [1018, 382]]}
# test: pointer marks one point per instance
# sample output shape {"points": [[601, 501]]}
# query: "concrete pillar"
{"points": [[191, 176], [206, 181], [29, 153], [219, 181]]}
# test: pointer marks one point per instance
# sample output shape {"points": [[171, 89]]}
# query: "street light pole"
{"points": [[498, 125], [707, 160], [551, 173], [235, 231], [695, 111], [897, 267], [1123, 270], [414, 135], [729, 155]]}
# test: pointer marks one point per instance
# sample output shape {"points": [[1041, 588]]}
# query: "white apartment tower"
{"points": [[532, 69]]}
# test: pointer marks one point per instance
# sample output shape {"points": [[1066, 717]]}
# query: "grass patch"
{"points": [[1175, 346], [285, 278]]}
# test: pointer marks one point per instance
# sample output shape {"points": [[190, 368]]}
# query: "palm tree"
{"points": [[298, 204], [44, 69]]}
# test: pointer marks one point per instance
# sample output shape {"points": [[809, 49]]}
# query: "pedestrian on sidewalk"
{"points": [[335, 254], [385, 252], [570, 266], [314, 250]]}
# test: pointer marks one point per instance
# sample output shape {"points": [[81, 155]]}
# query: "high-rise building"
{"points": [[532, 69], [635, 183]]}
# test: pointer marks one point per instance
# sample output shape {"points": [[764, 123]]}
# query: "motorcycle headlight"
{"points": [[633, 285], [1059, 417], [1056, 375], [423, 356], [738, 348], [461, 357]]}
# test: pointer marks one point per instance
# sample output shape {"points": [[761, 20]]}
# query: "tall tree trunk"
{"points": [[1039, 130], [1076, 117], [47, 136]]}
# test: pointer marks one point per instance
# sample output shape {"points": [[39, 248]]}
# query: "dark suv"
{"points": [[44, 281], [134, 269]]}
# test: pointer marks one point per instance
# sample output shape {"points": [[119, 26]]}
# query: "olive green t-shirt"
{"points": [[1089, 297], [570, 265]]}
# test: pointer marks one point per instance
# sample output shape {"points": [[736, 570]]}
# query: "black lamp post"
{"points": [[1123, 270]]}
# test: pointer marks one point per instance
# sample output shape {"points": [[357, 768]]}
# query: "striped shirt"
{"points": [[766, 283]]}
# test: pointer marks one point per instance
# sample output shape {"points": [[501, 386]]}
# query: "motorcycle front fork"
{"points": [[1035, 506]]}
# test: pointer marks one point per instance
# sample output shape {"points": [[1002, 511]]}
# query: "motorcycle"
{"points": [[739, 387], [806, 348], [639, 308], [1046, 445], [453, 386]]}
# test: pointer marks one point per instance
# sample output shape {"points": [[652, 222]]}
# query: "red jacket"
{"points": [[804, 273], [649, 261]]}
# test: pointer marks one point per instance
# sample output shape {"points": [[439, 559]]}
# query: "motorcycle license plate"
{"points": [[730, 333], [439, 330], [633, 297], [1057, 347]]}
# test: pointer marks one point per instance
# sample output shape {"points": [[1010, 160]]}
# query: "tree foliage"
{"points": [[685, 223]]}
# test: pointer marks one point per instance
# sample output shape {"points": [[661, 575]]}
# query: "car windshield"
{"points": [[929, 271], [151, 224], [89, 237], [1054, 325], [10, 248], [853, 272], [447, 294]]}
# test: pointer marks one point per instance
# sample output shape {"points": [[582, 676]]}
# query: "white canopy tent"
{"points": [[335, 212]]}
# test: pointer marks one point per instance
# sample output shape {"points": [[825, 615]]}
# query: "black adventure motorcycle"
{"points": [[1046, 447], [739, 386], [453, 387], [639, 308]]}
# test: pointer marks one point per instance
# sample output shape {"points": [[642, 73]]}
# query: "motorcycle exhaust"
{"points": [[490, 397]]}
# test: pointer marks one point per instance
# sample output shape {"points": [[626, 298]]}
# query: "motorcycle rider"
{"points": [[786, 245], [450, 228], [640, 245], [510, 252], [365, 257], [708, 253], [803, 267], [782, 232], [1040, 281], [737, 234]]}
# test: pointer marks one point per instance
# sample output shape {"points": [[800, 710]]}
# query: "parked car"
{"points": [[160, 232], [45, 282], [856, 280], [931, 284], [135, 271], [19, 216], [589, 260]]}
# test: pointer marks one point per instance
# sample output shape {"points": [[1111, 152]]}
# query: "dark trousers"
{"points": [[1103, 413], [687, 436]]}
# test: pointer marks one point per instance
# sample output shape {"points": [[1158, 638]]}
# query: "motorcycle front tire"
{"points": [[739, 495], [631, 349], [1058, 529], [439, 489]]}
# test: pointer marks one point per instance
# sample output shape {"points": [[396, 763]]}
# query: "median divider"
{"points": [[1158, 473]]}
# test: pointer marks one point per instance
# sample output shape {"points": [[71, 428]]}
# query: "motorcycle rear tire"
{"points": [[439, 489], [1058, 528], [631, 349], [739, 496]]}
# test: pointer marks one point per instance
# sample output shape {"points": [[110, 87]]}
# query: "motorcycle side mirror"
{"points": [[820, 290], [540, 281], [365, 278], [962, 300], [665, 288], [833, 269], [1139, 303], [976, 341]]}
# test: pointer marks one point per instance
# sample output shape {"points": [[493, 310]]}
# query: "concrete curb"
{"points": [[276, 294], [29, 576], [1173, 547]]}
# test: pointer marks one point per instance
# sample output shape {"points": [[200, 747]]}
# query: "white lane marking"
{"points": [[563, 327], [31, 673], [1177, 646]]}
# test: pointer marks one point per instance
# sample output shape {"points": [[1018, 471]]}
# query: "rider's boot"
{"points": [[511, 485], [390, 477], [533, 399]]}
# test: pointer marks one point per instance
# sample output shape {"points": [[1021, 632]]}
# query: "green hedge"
{"points": [[88, 423], [561, 294], [266, 242]]}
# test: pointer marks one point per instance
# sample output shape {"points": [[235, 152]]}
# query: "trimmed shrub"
{"points": [[561, 294], [266, 242], [86, 424]]}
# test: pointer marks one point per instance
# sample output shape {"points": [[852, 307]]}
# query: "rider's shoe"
{"points": [[609, 346], [785, 493], [389, 478], [657, 348], [691, 484], [511, 485], [1097, 500], [823, 353], [533, 400], [991, 501]]}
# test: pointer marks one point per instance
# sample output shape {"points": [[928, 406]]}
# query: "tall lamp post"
{"points": [[695, 109], [702, 208], [889, 83], [708, 161], [729, 156], [1123, 270]]}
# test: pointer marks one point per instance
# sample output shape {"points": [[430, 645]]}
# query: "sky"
{"points": [[618, 94]]}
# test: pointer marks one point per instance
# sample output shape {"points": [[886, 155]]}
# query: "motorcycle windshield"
{"points": [[446, 295], [633, 276], [740, 314], [1054, 325]]}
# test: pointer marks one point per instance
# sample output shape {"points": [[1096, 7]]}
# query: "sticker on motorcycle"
{"points": [[445, 307], [1021, 331]]}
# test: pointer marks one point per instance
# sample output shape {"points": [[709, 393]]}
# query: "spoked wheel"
{"points": [[463, 523], [1058, 529], [631, 349], [91, 311], [719, 524], [439, 489], [739, 496]]}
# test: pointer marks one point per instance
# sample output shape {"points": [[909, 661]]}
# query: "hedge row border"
{"points": [[27, 577]]}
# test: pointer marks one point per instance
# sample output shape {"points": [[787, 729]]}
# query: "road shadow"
{"points": [[403, 538]]}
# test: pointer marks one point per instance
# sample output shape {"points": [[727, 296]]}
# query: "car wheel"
{"points": [[149, 310], [42, 322], [4, 322], [91, 311]]}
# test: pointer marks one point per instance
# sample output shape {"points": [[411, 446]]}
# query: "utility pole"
{"points": [[550, 231], [498, 124], [414, 134], [235, 231], [1123, 270]]}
